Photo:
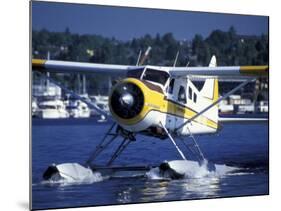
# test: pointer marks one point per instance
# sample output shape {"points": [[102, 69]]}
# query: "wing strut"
{"points": [[107, 140], [173, 141], [192, 147], [215, 103], [197, 150]]}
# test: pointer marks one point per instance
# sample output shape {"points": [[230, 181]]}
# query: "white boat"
{"points": [[102, 119], [52, 109], [102, 103], [34, 108], [78, 109], [263, 106]]}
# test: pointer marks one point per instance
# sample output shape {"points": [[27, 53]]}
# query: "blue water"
{"points": [[242, 145]]}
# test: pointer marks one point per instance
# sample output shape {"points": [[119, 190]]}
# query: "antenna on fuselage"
{"points": [[145, 55], [138, 58], [176, 59]]}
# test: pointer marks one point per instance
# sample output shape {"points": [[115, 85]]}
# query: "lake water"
{"points": [[243, 146]]}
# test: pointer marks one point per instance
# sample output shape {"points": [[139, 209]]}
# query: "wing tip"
{"points": [[39, 63], [254, 70]]}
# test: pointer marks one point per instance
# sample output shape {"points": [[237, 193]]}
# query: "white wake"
{"points": [[192, 170]]}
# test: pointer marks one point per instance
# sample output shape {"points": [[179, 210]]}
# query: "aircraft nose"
{"points": [[126, 100]]}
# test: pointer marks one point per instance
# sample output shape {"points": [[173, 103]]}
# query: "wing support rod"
{"points": [[173, 141], [201, 155], [215, 103], [107, 140], [119, 150], [103, 144], [90, 104]]}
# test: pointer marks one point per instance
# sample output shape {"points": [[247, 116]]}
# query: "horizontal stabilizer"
{"points": [[242, 119]]}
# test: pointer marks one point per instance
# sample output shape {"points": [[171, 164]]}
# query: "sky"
{"points": [[128, 23]]}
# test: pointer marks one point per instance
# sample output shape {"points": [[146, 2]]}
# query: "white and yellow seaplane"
{"points": [[159, 101]]}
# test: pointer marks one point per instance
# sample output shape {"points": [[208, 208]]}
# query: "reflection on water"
{"points": [[154, 190], [200, 187], [125, 196], [174, 190]]}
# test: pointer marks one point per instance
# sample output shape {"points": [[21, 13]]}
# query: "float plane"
{"points": [[158, 101]]}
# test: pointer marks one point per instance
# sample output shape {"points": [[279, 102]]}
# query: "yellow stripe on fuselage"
{"points": [[156, 101]]}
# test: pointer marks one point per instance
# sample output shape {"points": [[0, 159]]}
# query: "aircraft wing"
{"points": [[216, 72], [220, 72], [79, 67]]}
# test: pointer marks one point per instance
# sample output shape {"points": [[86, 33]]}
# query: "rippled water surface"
{"points": [[243, 147]]}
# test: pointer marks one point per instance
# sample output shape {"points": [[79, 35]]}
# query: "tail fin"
{"points": [[210, 91], [210, 87]]}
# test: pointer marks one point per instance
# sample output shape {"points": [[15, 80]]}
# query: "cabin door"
{"points": [[171, 119]]}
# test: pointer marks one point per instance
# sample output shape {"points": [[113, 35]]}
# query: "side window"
{"points": [[190, 93], [171, 86], [194, 97], [182, 95]]}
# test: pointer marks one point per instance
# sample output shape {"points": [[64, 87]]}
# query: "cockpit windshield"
{"points": [[156, 76], [153, 75], [135, 73]]}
